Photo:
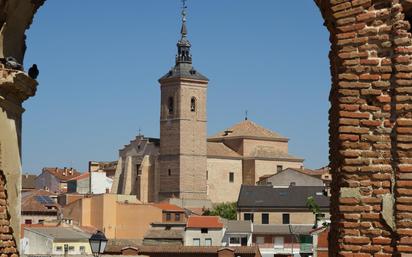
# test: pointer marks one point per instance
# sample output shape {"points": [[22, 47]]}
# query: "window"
{"points": [[193, 104], [279, 168], [207, 174], [278, 242], [234, 240], [260, 240], [170, 105], [208, 242], [41, 221], [138, 170], [248, 216], [231, 177], [169, 172], [196, 241], [177, 216], [71, 248], [59, 248], [285, 218], [243, 241], [204, 230], [82, 249], [265, 218], [168, 216], [27, 221]]}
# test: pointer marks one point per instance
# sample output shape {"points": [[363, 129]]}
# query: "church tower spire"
{"points": [[183, 45], [183, 151]]}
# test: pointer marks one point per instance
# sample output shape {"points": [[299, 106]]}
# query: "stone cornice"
{"points": [[17, 84]]}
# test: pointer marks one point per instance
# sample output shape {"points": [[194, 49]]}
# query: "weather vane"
{"points": [[184, 7], [246, 114]]}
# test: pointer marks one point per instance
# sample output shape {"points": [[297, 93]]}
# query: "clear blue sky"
{"points": [[99, 63]]}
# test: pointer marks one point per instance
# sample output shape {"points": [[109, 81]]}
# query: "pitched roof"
{"points": [[248, 129], [273, 198], [28, 181], [33, 203], [204, 222], [168, 207], [164, 234], [238, 226], [195, 249], [301, 172], [278, 229], [62, 174], [61, 234], [216, 149], [81, 176]]}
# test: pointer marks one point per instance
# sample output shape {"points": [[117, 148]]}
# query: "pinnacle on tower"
{"points": [[183, 45]]}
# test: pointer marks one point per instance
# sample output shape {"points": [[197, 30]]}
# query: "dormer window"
{"points": [[193, 104], [170, 105]]}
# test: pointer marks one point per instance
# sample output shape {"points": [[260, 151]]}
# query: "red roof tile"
{"points": [[82, 176], [168, 207], [204, 222], [62, 174]]}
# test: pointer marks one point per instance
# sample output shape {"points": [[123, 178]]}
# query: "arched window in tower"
{"points": [[170, 105], [193, 104]]}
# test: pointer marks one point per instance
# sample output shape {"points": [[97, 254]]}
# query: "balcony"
{"points": [[286, 248]]}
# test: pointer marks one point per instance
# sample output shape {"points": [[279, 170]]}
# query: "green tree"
{"points": [[223, 210]]}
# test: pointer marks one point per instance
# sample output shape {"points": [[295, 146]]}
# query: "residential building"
{"points": [[95, 182], [38, 207], [237, 233], [119, 216], [183, 163], [283, 240], [268, 205], [55, 179], [171, 213], [55, 241], [198, 251], [204, 231], [165, 234], [290, 177], [28, 182]]}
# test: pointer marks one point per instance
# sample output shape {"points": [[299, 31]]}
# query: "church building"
{"points": [[186, 164]]}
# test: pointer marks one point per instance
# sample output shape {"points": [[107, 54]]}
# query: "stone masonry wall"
{"points": [[7, 242], [370, 128]]}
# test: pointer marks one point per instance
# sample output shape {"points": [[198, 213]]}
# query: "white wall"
{"points": [[215, 234], [100, 182], [35, 243]]}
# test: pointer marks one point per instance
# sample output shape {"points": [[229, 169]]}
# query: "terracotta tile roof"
{"points": [[248, 128], [30, 203], [310, 172], [62, 174], [168, 207], [28, 181], [195, 249], [204, 222], [220, 150], [81, 176], [164, 234], [270, 152]]}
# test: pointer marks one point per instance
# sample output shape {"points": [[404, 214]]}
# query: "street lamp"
{"points": [[98, 242]]}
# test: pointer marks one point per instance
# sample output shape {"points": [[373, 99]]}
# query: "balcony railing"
{"points": [[287, 247]]}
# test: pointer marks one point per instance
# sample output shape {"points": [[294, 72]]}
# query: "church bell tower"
{"points": [[183, 121]]}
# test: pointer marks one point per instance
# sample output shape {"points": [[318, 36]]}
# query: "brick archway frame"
{"points": [[370, 121]]}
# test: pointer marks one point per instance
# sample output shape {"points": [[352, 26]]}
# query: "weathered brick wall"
{"points": [[370, 128], [7, 242]]}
